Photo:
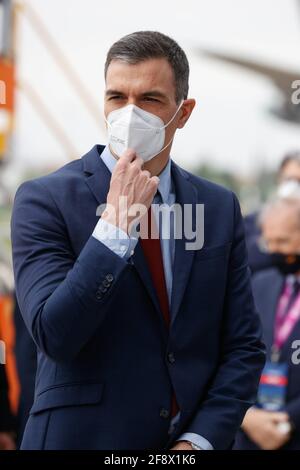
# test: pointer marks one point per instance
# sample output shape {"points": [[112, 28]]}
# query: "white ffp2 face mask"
{"points": [[132, 127]]}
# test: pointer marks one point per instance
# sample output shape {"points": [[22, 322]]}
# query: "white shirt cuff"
{"points": [[115, 239], [197, 440]]}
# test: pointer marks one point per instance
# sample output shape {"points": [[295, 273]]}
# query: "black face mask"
{"points": [[287, 264]]}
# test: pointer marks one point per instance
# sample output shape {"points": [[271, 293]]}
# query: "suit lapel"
{"points": [[185, 194], [98, 175], [271, 309]]}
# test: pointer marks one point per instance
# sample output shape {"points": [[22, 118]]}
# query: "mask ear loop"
{"points": [[158, 128], [169, 143], [152, 156], [179, 107], [172, 118]]}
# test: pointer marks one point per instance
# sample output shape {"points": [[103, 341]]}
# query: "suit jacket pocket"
{"points": [[68, 395]]}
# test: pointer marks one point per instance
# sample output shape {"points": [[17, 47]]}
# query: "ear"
{"points": [[185, 112]]}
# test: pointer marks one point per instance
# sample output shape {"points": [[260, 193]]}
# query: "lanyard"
{"points": [[285, 323]]}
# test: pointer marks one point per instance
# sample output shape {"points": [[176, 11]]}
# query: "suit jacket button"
{"points": [[164, 413], [171, 358], [109, 277], [98, 295], [106, 283], [102, 289]]}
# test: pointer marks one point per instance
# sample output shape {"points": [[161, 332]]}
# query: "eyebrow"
{"points": [[154, 93], [113, 92]]}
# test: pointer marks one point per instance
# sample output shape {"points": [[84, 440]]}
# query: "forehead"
{"points": [[282, 219], [291, 167], [143, 76]]}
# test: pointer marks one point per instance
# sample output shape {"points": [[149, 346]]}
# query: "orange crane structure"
{"points": [[7, 107], [9, 81], [10, 10], [7, 76]]}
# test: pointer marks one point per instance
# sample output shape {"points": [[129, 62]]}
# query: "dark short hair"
{"points": [[142, 45]]}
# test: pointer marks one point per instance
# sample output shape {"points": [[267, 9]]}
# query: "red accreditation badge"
{"points": [[272, 387]]}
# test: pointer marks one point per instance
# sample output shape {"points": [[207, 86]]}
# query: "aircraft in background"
{"points": [[282, 78]]}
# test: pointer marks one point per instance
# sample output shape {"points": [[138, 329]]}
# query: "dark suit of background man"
{"points": [[142, 344], [7, 424], [277, 297]]}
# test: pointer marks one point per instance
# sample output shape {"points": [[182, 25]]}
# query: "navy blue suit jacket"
{"points": [[258, 260], [25, 353], [267, 287], [103, 378]]}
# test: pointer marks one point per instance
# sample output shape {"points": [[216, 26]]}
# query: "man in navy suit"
{"points": [[144, 342], [277, 297]]}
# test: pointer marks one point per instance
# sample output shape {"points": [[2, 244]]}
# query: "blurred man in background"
{"points": [[275, 422], [6, 419], [289, 172]]}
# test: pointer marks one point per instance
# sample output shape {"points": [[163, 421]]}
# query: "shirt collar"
{"points": [[164, 186]]}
